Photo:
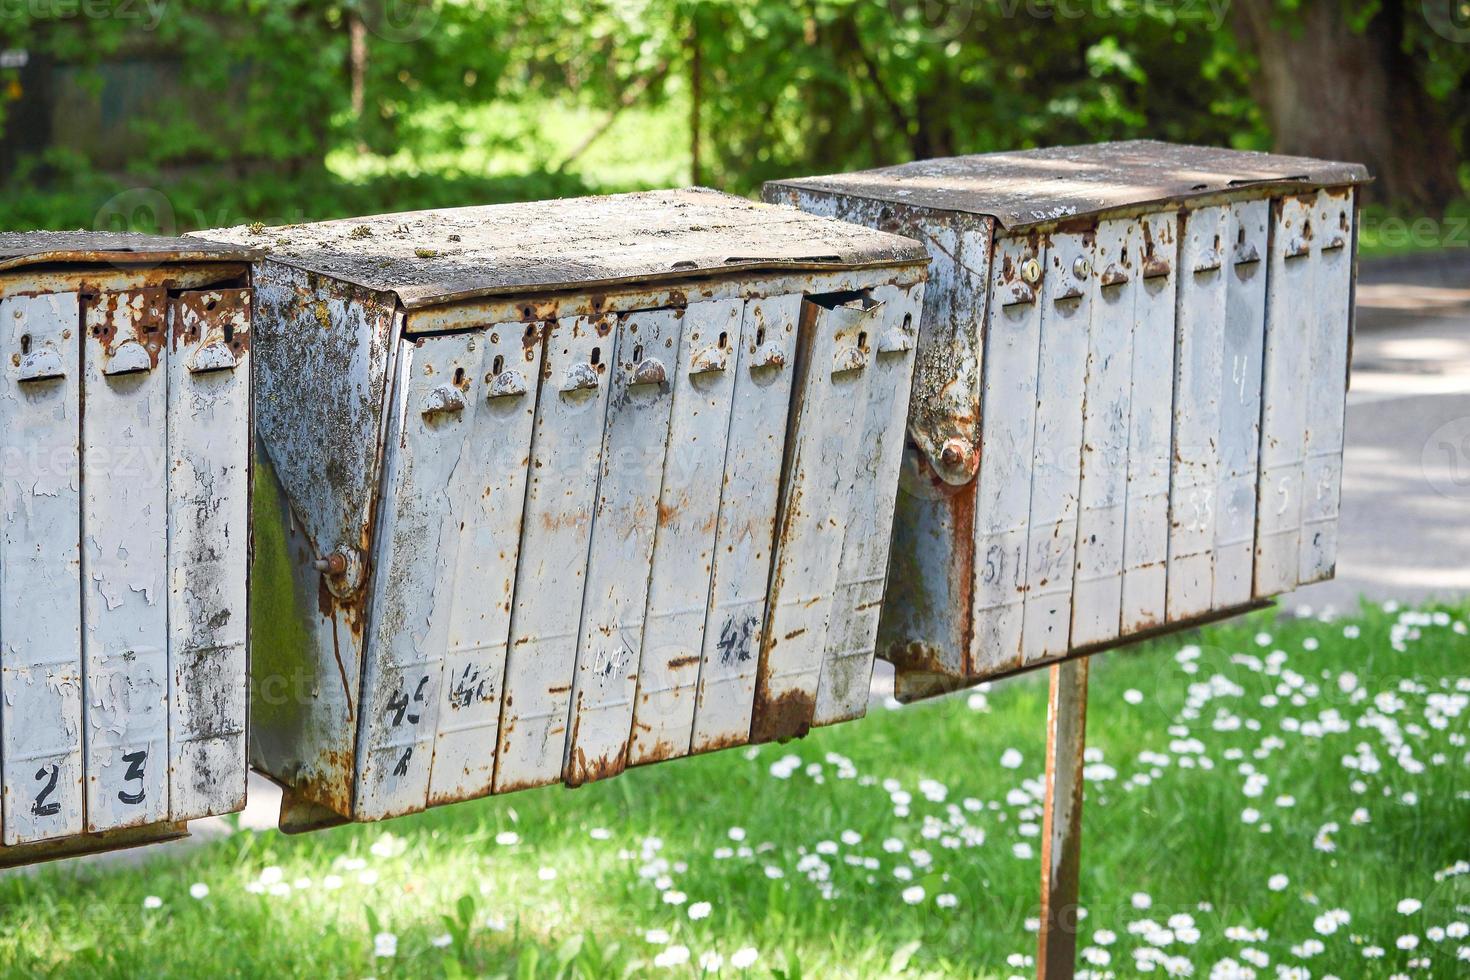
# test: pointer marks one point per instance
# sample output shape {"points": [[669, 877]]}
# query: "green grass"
{"points": [[1164, 817]]}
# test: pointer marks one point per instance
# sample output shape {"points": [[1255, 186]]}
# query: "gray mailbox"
{"points": [[1128, 407], [553, 489], [124, 537]]}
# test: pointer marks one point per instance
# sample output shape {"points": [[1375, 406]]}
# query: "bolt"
{"points": [[1031, 271], [1081, 268], [333, 564], [954, 452]]}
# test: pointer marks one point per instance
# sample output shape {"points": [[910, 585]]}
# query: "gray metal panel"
{"points": [[1032, 187], [23, 248], [430, 257]]}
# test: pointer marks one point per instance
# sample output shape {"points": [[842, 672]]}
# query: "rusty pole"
{"points": [[1061, 831]]}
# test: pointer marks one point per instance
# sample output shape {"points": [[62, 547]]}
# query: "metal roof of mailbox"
{"points": [[1033, 187], [430, 257], [24, 248]]}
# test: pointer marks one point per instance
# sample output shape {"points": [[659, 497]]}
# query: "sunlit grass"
{"points": [[1216, 763]]}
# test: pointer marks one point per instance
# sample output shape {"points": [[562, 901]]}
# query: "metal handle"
{"points": [[130, 357], [708, 360], [894, 341], [849, 359], [212, 357], [443, 400], [1155, 268], [1018, 294], [650, 371], [768, 354], [1113, 276], [1246, 253], [41, 365], [580, 377], [507, 384]]}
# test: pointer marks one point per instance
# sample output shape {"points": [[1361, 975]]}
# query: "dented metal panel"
{"points": [[488, 491], [1007, 440], [1240, 401], [838, 336], [1051, 548], [847, 661], [551, 577], [208, 549], [690, 502], [1146, 521], [1097, 601], [1198, 390], [635, 445], [1333, 227], [124, 534], [729, 655], [413, 591], [40, 586], [1290, 314], [30, 248]]}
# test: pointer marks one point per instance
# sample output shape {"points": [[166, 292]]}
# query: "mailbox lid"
{"points": [[426, 258], [1035, 187], [19, 249]]}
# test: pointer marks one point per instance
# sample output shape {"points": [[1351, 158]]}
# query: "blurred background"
{"points": [[162, 115]]}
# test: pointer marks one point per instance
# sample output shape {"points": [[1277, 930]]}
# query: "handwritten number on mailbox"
{"points": [[399, 704], [135, 762], [41, 808]]}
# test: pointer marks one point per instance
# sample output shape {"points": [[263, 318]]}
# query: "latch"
{"points": [[212, 357], [708, 360], [1113, 275], [1209, 261], [130, 357], [1155, 267]]}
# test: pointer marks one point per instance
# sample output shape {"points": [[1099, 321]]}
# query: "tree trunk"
{"points": [[1330, 91]]}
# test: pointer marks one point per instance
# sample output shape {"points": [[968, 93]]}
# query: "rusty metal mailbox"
{"points": [[552, 489], [1128, 407], [124, 538]]}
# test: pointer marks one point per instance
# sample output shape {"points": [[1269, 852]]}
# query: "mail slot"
{"points": [[549, 490], [1128, 407], [124, 543]]}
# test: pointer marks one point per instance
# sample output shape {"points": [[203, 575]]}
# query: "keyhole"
{"points": [[724, 339], [229, 333], [25, 343], [638, 354], [497, 365], [862, 339], [459, 377], [1240, 235], [760, 336], [596, 356], [908, 322]]}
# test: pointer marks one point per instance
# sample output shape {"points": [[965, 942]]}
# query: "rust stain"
{"points": [[789, 716]]}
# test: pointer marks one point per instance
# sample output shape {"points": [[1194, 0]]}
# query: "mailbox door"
{"points": [[729, 655], [1199, 341], [413, 590], [488, 491], [1332, 252], [632, 468], [1051, 550], [704, 380], [208, 549], [1007, 445], [1290, 316], [1146, 522], [561, 492], [1240, 401], [1097, 598], [847, 661], [40, 586], [124, 534], [837, 338]]}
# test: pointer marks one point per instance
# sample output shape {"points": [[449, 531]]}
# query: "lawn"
{"points": [[1271, 794]]}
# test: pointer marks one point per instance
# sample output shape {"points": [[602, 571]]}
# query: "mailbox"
{"points": [[1128, 408], [123, 538], [548, 490]]}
